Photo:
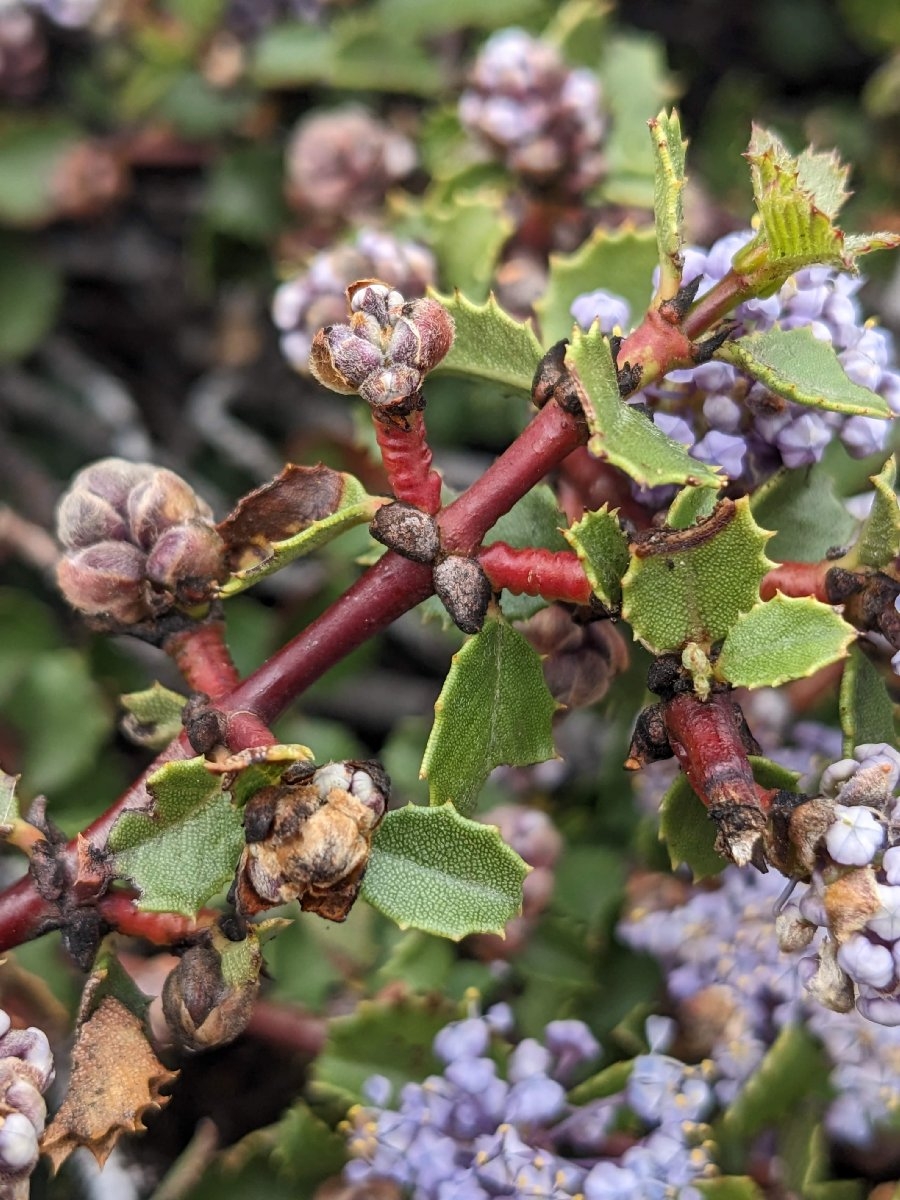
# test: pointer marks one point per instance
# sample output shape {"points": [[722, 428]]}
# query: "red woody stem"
{"points": [[407, 460], [555, 575]]}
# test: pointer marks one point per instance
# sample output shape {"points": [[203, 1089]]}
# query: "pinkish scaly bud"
{"points": [[464, 590], [112, 479], [106, 580], [376, 299], [160, 502], [321, 360], [84, 519], [356, 359], [435, 330], [392, 386], [192, 553]]}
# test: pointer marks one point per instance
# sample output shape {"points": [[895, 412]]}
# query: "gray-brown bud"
{"points": [[202, 1008], [407, 530], [464, 590]]}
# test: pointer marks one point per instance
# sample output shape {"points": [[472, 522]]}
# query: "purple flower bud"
{"points": [[18, 1145], [855, 837], [722, 449], [535, 1101], [377, 1090], [891, 865], [674, 427], [863, 436], [886, 922], [606, 307], [606, 1181], [883, 1010], [573, 1044], [529, 1058], [866, 962], [462, 1040], [803, 440]]}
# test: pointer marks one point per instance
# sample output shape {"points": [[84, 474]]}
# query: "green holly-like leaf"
{"points": [[602, 547], [33, 152], [186, 850], [798, 198], [467, 236], [305, 1150], [434, 870], [668, 197], [785, 638], [298, 511], [621, 434], [379, 1038], [879, 538], [489, 344], [795, 364], [620, 261], [691, 506], [805, 512], [494, 709], [291, 55], [691, 585], [152, 717], [685, 825], [9, 805], [794, 1073], [867, 713], [30, 295], [109, 978], [635, 85]]}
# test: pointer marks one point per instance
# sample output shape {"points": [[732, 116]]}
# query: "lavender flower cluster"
{"points": [[317, 297], [735, 989], [728, 419], [471, 1134], [544, 120]]}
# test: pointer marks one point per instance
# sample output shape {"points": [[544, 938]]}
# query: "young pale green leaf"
{"points": [[298, 511], [621, 434], [9, 805], [730, 1187], [691, 585], [260, 767], [685, 825], [434, 870], [379, 1038], [602, 547], [798, 199], [805, 512], [608, 1082], [184, 851], [783, 639], [668, 206], [619, 261], [494, 709], [867, 713], [879, 538], [152, 717], [794, 1073], [489, 344], [691, 506], [793, 363]]}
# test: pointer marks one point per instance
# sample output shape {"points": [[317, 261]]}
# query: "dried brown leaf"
{"points": [[116, 1078]]}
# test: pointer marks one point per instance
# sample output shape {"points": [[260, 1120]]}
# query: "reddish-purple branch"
{"points": [[387, 590], [797, 579], [553, 574], [118, 910], [407, 459]]}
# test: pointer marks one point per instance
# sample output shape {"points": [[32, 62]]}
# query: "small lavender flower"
{"points": [[855, 837]]}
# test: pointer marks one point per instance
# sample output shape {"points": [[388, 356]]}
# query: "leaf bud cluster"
{"points": [[308, 838], [386, 350], [138, 541], [26, 1071]]}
